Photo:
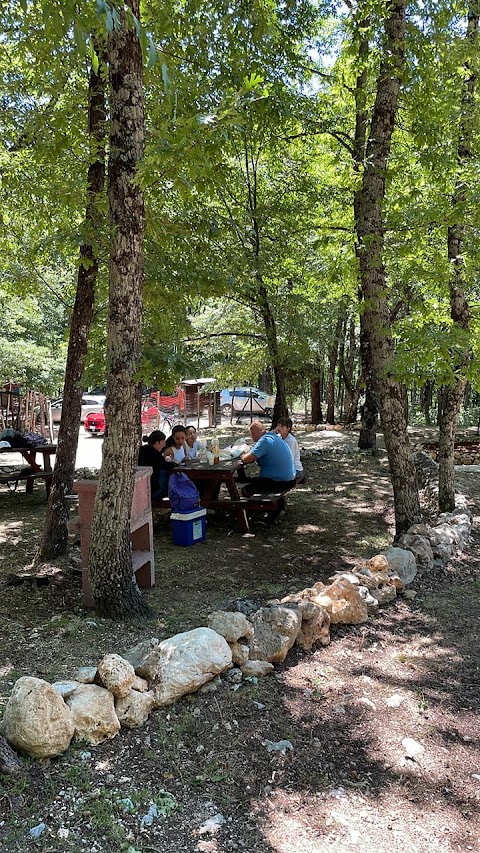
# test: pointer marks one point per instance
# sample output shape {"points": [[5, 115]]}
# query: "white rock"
{"points": [[93, 713], [394, 701], [133, 710], [401, 562], [37, 720], [144, 658], [116, 674], [86, 674], [65, 688], [413, 749], [420, 547], [257, 668], [231, 625], [188, 660], [275, 630]]}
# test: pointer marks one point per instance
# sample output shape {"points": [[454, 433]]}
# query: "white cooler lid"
{"points": [[188, 516]]}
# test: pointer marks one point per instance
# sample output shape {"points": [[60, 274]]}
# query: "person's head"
{"points": [[156, 439], [177, 438], [256, 430], [284, 426], [190, 435]]}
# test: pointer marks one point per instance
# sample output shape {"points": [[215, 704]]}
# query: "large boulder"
{"points": [[348, 607], [188, 660], [275, 630], [37, 720], [230, 625], [116, 674], [401, 562], [315, 628], [420, 547], [93, 713], [133, 710]]}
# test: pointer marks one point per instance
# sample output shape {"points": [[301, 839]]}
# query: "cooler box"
{"points": [[188, 528]]}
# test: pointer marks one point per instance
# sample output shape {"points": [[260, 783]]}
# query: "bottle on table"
{"points": [[216, 451]]}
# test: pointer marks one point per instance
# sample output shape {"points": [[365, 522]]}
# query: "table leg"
{"points": [[240, 513]]}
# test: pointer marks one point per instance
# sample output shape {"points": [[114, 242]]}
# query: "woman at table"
{"points": [[151, 453], [192, 446], [175, 444], [284, 428]]}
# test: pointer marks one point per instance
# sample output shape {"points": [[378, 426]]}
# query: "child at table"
{"points": [[175, 444], [192, 446]]}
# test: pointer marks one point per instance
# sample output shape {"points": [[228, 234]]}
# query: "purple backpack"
{"points": [[183, 494]]}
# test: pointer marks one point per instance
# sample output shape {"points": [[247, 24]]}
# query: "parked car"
{"points": [[90, 403], [246, 400], [95, 422]]}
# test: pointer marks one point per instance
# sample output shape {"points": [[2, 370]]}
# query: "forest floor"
{"points": [[344, 782]]}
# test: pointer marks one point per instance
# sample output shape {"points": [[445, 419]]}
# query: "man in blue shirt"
{"points": [[277, 469]]}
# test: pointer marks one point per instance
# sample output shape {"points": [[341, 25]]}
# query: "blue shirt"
{"points": [[274, 457]]}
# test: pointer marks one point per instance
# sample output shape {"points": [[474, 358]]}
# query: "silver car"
{"points": [[246, 400], [90, 403]]}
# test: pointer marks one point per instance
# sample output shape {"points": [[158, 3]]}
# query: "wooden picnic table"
{"points": [[208, 478], [36, 470]]}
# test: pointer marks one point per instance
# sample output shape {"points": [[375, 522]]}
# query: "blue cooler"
{"points": [[188, 528]]}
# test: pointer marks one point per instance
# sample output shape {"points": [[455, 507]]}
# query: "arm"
{"points": [[248, 457]]}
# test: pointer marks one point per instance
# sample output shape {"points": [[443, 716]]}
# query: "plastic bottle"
{"points": [[216, 451]]}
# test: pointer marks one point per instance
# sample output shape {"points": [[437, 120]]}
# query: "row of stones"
{"points": [[41, 719]]}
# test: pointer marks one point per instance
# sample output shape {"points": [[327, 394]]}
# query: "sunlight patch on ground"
{"points": [[10, 532], [308, 528]]}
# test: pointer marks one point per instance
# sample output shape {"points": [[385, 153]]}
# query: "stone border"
{"points": [[41, 719]]}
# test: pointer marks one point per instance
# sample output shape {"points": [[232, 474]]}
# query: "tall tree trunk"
{"points": [[114, 589], [317, 417], [367, 439], [55, 534], [452, 396], [369, 203], [332, 366]]}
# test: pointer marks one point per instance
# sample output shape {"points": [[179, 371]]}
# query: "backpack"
{"points": [[183, 494]]}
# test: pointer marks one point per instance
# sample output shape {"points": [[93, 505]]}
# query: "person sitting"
{"points": [[151, 454], [175, 444], [277, 471], [192, 446], [284, 429]]}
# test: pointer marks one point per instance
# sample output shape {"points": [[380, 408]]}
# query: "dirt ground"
{"points": [[209, 773]]}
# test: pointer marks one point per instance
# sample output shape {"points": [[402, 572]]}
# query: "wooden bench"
{"points": [[260, 502], [25, 476]]}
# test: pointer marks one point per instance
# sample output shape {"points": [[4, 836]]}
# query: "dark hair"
{"points": [[176, 428], [190, 426], [156, 435], [287, 422]]}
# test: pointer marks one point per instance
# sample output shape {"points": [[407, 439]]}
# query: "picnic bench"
{"points": [[236, 504], [32, 471]]}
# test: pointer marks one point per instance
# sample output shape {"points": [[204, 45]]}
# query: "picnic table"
{"points": [[15, 474], [208, 477]]}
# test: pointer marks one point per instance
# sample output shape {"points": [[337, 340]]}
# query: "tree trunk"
{"points": [[114, 589], [451, 398], [368, 206], [317, 417], [332, 366], [55, 534]]}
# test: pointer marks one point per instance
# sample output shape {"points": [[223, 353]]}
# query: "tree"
{"points": [[55, 532], [369, 203], [112, 580]]}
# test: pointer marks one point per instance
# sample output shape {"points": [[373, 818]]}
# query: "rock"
{"points": [[413, 749], [370, 601], [315, 628], [37, 831], [188, 660], [133, 710], [233, 676], [281, 746], [395, 700], [257, 668], [275, 631], [116, 674], [144, 658], [384, 594], [86, 674], [240, 653], [401, 562], [349, 576], [379, 563], [140, 684], [230, 625], [37, 720], [65, 688], [212, 825], [93, 713], [348, 607], [420, 547], [397, 582]]}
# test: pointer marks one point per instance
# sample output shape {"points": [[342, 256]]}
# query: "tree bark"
{"points": [[317, 417], [451, 397], [55, 534], [332, 366], [114, 589], [368, 205]]}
